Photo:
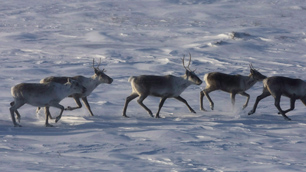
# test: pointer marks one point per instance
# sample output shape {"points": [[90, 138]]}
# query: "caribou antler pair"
{"points": [[183, 60], [251, 66], [93, 65]]}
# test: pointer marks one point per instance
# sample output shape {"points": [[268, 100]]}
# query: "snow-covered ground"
{"points": [[60, 38]]}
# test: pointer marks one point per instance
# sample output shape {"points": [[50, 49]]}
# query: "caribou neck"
{"points": [[249, 81], [90, 83], [184, 82], [95, 80]]}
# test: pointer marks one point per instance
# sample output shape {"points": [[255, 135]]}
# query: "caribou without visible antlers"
{"points": [[90, 84], [168, 86], [233, 84], [42, 95], [278, 86]]}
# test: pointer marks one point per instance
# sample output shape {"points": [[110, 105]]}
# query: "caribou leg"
{"points": [[179, 98], [127, 101], [85, 101], [277, 105], [78, 102], [13, 109], [206, 92], [47, 114], [140, 101], [247, 101], [161, 103], [264, 94]]}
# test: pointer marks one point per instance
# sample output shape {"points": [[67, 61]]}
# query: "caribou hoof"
{"points": [[57, 119], [68, 108], [48, 125], [287, 118], [251, 112], [17, 125], [151, 114], [202, 109]]}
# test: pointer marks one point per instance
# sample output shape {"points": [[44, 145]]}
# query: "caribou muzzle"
{"points": [[110, 80]]}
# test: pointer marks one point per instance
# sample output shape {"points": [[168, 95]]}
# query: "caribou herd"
{"points": [[51, 90]]}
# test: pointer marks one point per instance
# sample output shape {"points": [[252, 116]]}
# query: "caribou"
{"points": [[42, 95], [233, 84], [90, 84], [277, 86], [165, 87]]}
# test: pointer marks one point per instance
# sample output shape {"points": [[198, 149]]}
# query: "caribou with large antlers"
{"points": [[168, 86], [90, 84], [233, 84]]}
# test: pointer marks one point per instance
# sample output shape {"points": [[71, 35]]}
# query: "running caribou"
{"points": [[233, 84], [278, 86], [90, 84], [168, 86], [42, 95]]}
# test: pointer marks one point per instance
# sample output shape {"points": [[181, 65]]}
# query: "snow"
{"points": [[60, 38]]}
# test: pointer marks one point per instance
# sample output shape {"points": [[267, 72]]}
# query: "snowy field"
{"points": [[61, 38]]}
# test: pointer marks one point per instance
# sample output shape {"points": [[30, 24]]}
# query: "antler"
{"points": [[187, 68], [189, 61], [183, 60], [251, 66], [97, 68], [93, 63]]}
